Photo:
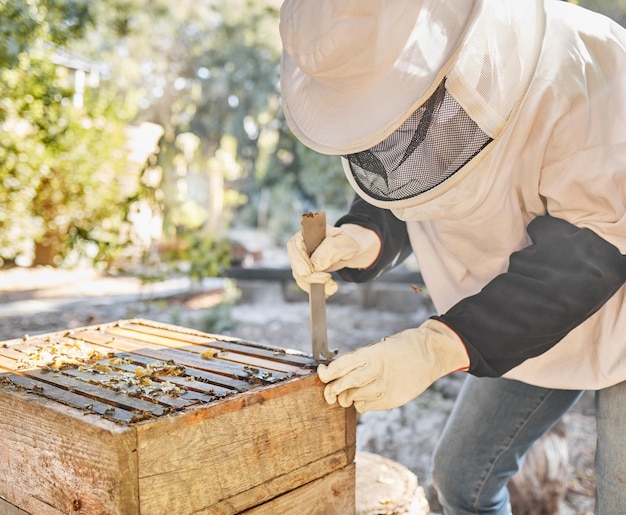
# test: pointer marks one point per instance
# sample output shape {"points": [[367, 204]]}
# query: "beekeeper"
{"points": [[489, 138]]}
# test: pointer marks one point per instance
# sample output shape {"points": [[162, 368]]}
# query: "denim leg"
{"points": [[610, 463], [493, 424]]}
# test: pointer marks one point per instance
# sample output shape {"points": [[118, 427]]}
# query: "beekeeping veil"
{"points": [[408, 92]]}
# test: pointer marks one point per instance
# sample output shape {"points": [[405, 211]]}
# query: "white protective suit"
{"points": [[546, 81]]}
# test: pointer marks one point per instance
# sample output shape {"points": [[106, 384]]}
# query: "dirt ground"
{"points": [[43, 300]]}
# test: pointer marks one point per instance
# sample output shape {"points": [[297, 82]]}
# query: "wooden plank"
{"points": [[229, 440], [332, 494], [274, 370], [85, 390], [162, 340], [267, 433], [48, 394], [88, 390], [219, 342], [94, 342], [151, 350], [131, 391], [263, 493], [54, 462], [351, 422], [10, 343], [216, 392], [11, 353], [8, 509], [220, 385], [40, 352]]}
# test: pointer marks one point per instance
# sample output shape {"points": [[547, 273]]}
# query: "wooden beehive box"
{"points": [[137, 417]]}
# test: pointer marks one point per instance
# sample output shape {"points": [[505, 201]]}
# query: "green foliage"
{"points": [[61, 166], [207, 69], [198, 256], [27, 23], [211, 69], [217, 319]]}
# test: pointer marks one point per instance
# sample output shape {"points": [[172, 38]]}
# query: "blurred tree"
{"points": [[26, 23], [61, 156], [211, 69], [208, 69]]}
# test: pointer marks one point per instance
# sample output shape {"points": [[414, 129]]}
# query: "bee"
{"points": [[37, 388]]}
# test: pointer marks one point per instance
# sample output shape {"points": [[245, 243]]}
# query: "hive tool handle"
{"points": [[313, 233]]}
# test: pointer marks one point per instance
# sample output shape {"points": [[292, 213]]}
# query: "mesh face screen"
{"points": [[436, 141]]}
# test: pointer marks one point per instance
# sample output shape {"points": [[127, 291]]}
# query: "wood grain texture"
{"points": [[8, 509], [248, 425], [56, 459], [332, 494], [241, 445]]}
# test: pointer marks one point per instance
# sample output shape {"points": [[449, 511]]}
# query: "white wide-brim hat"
{"points": [[353, 70]]}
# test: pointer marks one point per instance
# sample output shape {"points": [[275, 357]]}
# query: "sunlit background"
{"points": [[142, 142], [133, 131]]}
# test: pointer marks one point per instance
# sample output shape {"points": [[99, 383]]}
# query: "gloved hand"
{"points": [[348, 246], [390, 373]]}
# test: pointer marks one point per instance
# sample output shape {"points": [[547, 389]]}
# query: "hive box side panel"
{"points": [[8, 509], [261, 493], [333, 494], [53, 459], [243, 451]]}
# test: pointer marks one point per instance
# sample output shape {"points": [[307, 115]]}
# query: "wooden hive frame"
{"points": [[141, 417]]}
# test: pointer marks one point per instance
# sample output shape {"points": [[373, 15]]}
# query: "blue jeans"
{"points": [[493, 424]]}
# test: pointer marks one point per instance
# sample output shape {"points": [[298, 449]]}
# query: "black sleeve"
{"points": [[393, 235], [551, 287]]}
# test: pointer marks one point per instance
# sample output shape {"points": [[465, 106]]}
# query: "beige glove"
{"points": [[390, 373], [348, 246]]}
